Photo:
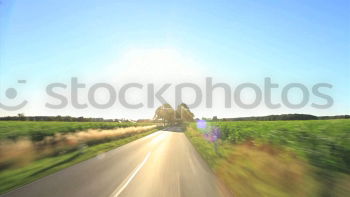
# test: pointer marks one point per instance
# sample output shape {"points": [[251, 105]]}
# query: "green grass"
{"points": [[279, 158], [325, 143], [36, 131], [12, 178]]}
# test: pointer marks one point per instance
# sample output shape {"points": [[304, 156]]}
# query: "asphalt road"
{"points": [[161, 164]]}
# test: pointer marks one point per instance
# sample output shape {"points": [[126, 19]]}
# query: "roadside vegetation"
{"points": [[25, 157], [37, 131], [278, 158]]}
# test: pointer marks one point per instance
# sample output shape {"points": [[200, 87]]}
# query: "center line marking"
{"points": [[129, 179]]}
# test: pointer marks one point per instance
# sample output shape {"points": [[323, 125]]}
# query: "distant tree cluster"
{"points": [[170, 116], [281, 117], [334, 117], [183, 113], [22, 117]]}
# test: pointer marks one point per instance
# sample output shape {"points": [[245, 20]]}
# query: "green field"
{"points": [[279, 158], [325, 143], [36, 131]]}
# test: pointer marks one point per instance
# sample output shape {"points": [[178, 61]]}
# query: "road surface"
{"points": [[162, 164]]}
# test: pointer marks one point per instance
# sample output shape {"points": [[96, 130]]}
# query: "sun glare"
{"points": [[157, 64]]}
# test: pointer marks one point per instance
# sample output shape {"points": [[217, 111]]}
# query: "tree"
{"points": [[165, 113], [21, 116], [183, 113]]}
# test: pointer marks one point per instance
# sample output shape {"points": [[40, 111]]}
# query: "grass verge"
{"points": [[260, 169]]}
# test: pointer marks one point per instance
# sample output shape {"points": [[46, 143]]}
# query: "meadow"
{"points": [[278, 158]]}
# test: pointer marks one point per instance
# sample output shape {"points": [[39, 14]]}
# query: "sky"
{"points": [[158, 42]]}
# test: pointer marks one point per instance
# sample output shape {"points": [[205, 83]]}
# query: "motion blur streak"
{"points": [[20, 152]]}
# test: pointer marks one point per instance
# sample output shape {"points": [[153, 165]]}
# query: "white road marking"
{"points": [[126, 182], [160, 137], [151, 135], [191, 164], [178, 184]]}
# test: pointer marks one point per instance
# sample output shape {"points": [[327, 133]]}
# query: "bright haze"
{"points": [[158, 42]]}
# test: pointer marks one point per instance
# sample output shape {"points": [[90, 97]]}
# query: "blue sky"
{"points": [[232, 41]]}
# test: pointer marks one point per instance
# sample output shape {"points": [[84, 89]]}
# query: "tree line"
{"points": [[22, 117], [169, 116], [281, 117]]}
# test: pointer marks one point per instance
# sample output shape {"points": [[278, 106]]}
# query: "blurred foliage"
{"points": [[37, 131], [325, 143], [279, 158]]}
